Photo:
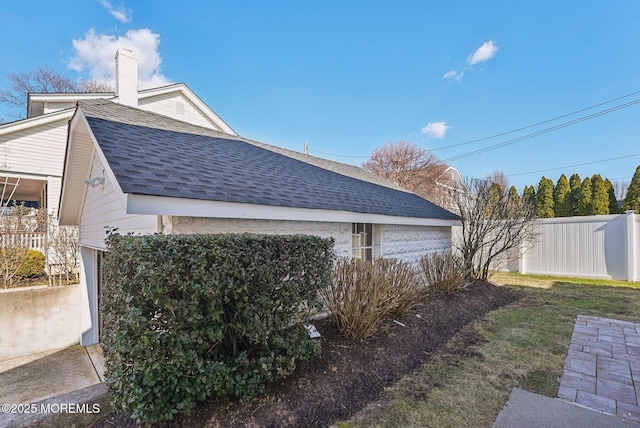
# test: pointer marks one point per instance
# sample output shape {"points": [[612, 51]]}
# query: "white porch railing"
{"points": [[33, 240]]}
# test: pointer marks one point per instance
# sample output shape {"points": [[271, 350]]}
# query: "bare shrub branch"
{"points": [[496, 228], [443, 273], [362, 294]]}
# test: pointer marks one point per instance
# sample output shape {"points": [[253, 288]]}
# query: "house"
{"points": [[145, 173], [32, 150], [447, 180]]}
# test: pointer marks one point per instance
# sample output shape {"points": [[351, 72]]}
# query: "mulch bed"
{"points": [[350, 374]]}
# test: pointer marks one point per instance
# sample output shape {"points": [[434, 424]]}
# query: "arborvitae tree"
{"points": [[529, 195], [513, 194], [584, 199], [599, 196], [561, 197], [574, 196], [613, 201], [496, 192], [544, 198], [632, 200]]}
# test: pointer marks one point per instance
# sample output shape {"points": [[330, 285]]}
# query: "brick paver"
{"points": [[602, 368]]}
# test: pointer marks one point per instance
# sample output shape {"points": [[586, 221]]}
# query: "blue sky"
{"points": [[348, 77]]}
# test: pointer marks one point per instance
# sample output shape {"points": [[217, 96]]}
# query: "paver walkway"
{"points": [[602, 368]]}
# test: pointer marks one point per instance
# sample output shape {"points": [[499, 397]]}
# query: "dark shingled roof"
{"points": [[155, 155]]}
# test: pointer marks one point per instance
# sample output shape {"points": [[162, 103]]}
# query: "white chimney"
{"points": [[127, 77]]}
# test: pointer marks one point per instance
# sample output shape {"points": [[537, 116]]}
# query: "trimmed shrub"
{"points": [[443, 273], [33, 265], [362, 294], [190, 316]]}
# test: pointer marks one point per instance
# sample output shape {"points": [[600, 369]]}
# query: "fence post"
{"points": [[522, 261], [632, 245]]}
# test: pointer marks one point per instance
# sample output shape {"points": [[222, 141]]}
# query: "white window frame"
{"points": [[364, 241]]}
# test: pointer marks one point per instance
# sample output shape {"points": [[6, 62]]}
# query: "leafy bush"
{"points": [[443, 273], [33, 265], [189, 316], [363, 293]]}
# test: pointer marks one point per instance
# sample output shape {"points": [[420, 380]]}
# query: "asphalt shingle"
{"points": [[154, 155]]}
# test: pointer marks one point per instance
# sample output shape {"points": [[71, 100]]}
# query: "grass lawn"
{"points": [[522, 345]]}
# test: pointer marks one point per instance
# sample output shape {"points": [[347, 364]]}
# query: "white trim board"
{"points": [[163, 205]]}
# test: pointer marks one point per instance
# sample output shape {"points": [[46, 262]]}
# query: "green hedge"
{"points": [[33, 265], [189, 316]]}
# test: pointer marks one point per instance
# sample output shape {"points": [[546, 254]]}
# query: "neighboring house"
{"points": [[447, 180], [32, 150], [145, 173]]}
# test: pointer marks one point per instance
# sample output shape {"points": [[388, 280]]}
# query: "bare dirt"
{"points": [[350, 375]]}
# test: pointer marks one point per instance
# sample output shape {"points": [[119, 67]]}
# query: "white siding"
{"points": [[54, 185], [39, 150], [410, 243], [176, 106], [104, 206], [341, 232], [53, 107]]}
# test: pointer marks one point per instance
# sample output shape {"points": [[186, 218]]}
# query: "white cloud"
{"points": [[95, 54], [436, 129], [453, 75], [121, 14], [484, 53]]}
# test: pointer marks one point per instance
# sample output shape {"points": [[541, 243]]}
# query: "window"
{"points": [[362, 241]]}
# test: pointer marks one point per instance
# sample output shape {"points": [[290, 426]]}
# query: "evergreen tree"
{"points": [[544, 198], [599, 196], [632, 200], [496, 192], [513, 195], [561, 197], [574, 196], [613, 201], [529, 195], [584, 198]]}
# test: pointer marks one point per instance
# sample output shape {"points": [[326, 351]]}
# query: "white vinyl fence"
{"points": [[604, 246]]}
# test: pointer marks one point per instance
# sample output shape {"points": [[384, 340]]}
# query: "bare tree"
{"points": [[620, 189], [499, 178], [495, 227], [63, 253], [42, 80], [408, 166], [91, 86]]}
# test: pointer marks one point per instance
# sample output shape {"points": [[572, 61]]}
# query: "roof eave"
{"points": [[23, 124], [164, 205]]}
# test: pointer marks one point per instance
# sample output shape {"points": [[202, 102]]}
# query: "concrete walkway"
{"points": [[600, 384], [71, 377]]}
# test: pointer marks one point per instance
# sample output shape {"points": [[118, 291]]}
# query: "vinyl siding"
{"points": [[39, 150], [176, 106], [52, 107], [104, 206], [54, 185]]}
